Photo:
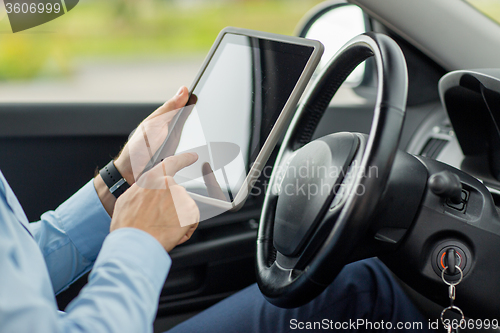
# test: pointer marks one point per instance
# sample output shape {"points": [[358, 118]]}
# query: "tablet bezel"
{"points": [[282, 120]]}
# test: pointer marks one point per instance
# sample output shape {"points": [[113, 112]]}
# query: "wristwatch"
{"points": [[113, 179]]}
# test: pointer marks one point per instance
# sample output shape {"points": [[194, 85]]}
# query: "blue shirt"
{"points": [[38, 260]]}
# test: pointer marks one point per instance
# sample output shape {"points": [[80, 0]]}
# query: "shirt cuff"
{"points": [[138, 250], [85, 220]]}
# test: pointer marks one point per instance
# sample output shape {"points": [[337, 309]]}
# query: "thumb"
{"points": [[175, 103]]}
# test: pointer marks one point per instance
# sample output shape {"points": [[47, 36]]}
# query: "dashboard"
{"points": [[436, 139]]}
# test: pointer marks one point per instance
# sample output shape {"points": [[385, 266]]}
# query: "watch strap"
{"points": [[113, 179]]}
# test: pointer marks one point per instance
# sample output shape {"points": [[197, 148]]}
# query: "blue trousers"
{"points": [[364, 297]]}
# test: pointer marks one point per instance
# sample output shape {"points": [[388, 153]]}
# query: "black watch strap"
{"points": [[113, 179]]}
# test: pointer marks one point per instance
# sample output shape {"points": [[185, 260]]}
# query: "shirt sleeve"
{"points": [[124, 286], [71, 236], [121, 296]]}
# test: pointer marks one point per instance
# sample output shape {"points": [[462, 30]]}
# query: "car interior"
{"points": [[423, 106]]}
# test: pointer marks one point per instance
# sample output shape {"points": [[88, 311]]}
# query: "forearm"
{"points": [[121, 296], [108, 200], [124, 285], [71, 236]]}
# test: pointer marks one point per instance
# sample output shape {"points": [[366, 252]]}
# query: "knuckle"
{"points": [[169, 104]]}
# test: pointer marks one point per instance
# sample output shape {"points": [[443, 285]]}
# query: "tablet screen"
{"points": [[232, 109]]}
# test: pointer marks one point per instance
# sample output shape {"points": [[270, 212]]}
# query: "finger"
{"points": [[170, 181], [192, 229], [175, 103], [171, 165], [175, 135], [187, 211], [211, 183], [155, 178], [188, 234]]}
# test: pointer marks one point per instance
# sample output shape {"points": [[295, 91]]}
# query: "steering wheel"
{"points": [[322, 193]]}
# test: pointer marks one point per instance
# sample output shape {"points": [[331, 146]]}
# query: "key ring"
{"points": [[450, 283], [451, 307]]}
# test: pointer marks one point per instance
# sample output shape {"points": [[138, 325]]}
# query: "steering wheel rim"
{"points": [[297, 284]]}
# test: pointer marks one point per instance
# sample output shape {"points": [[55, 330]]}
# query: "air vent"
{"points": [[433, 147]]}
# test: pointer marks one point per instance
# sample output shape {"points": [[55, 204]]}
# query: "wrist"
{"points": [[123, 166], [113, 179], [108, 200]]}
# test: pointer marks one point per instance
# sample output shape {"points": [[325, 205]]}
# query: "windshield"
{"points": [[490, 8]]}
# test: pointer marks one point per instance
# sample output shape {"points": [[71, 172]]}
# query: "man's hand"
{"points": [[156, 125], [148, 137], [159, 206]]}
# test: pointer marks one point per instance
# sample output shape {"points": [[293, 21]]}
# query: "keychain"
{"points": [[451, 294]]}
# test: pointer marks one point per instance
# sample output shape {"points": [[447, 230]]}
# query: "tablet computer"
{"points": [[240, 104]]}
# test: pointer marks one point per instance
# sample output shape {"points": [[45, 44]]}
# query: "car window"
{"points": [[490, 8], [125, 50], [335, 28]]}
